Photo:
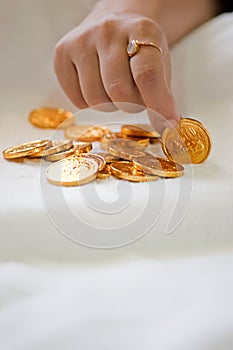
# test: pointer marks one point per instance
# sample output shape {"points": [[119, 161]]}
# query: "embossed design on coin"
{"points": [[189, 142], [99, 159], [72, 171]]}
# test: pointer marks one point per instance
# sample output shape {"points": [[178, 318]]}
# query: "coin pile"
{"points": [[47, 149], [125, 153]]}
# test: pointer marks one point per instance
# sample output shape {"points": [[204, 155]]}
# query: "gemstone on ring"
{"points": [[132, 48]]}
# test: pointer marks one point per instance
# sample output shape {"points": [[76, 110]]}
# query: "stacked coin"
{"points": [[47, 149], [26, 149], [125, 153], [131, 162]]}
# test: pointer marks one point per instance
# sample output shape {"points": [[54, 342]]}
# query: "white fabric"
{"points": [[170, 300], [171, 305], [203, 85]]}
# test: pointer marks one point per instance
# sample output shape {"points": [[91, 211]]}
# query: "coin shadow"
{"points": [[209, 172]]}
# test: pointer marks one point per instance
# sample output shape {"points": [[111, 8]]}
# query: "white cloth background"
{"points": [[155, 293], [174, 305]]}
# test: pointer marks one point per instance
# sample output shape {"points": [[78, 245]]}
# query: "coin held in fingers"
{"points": [[189, 142]]}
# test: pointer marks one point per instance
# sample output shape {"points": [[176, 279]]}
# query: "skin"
{"points": [[92, 64]]}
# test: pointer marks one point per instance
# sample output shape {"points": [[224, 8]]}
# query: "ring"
{"points": [[134, 46]]}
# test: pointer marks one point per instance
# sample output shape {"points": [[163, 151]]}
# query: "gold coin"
{"points": [[118, 135], [60, 155], [72, 171], [127, 171], [105, 173], [124, 148], [110, 136], [189, 142], [107, 137], [99, 159], [159, 166], [85, 133], [103, 145], [51, 118], [82, 147], [109, 158], [142, 140], [139, 130], [26, 149], [57, 146], [154, 141], [17, 160]]}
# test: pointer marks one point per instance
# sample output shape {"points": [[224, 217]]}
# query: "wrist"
{"points": [[129, 7]]}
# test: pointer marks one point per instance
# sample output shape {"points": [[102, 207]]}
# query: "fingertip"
{"points": [[170, 123], [160, 122]]}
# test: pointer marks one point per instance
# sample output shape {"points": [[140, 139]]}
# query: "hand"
{"points": [[93, 67]]}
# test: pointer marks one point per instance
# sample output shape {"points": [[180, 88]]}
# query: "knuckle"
{"points": [[58, 56], [109, 22], [56, 63], [72, 46], [105, 29], [82, 40], [145, 76], [58, 50], [144, 25]]}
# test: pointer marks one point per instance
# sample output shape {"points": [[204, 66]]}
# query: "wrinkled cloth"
{"points": [[154, 293]]}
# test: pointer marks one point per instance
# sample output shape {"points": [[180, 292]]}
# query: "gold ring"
{"points": [[134, 46]]}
